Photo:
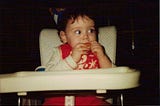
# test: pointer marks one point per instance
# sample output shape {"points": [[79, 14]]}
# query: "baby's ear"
{"points": [[63, 37]]}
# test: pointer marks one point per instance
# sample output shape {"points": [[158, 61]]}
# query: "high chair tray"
{"points": [[95, 79]]}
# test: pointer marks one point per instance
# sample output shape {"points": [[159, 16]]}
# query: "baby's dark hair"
{"points": [[74, 13]]}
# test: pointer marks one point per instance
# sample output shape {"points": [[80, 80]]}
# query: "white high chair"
{"points": [[49, 39], [28, 82]]}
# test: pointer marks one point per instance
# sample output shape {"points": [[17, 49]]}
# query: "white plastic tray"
{"points": [[97, 79]]}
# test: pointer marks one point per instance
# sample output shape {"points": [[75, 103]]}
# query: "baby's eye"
{"points": [[77, 32], [91, 31]]}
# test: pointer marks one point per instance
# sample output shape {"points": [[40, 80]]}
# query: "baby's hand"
{"points": [[79, 50], [97, 49]]}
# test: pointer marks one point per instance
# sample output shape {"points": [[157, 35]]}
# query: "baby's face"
{"points": [[81, 30]]}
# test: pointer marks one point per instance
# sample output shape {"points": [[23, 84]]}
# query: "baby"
{"points": [[80, 51]]}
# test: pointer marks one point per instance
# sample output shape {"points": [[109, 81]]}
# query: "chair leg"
{"points": [[118, 100], [121, 99], [19, 101]]}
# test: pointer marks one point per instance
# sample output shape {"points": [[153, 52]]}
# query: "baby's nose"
{"points": [[85, 38]]}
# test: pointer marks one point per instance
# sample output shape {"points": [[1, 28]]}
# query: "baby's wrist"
{"points": [[101, 56], [75, 60]]}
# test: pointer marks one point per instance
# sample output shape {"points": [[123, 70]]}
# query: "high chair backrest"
{"points": [[49, 39]]}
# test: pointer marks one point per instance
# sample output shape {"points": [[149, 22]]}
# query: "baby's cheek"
{"points": [[93, 38], [74, 43]]}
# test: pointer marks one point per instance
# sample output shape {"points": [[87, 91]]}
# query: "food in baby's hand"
{"points": [[88, 45]]}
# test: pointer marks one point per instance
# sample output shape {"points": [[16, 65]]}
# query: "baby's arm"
{"points": [[104, 61], [57, 63]]}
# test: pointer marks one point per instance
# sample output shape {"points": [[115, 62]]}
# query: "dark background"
{"points": [[22, 20]]}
